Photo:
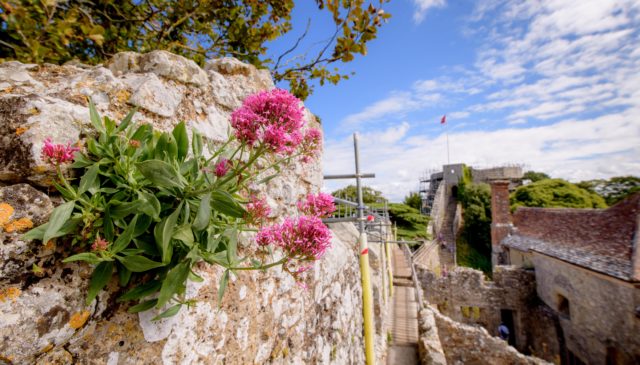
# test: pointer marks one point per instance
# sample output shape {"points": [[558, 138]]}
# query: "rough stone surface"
{"points": [[464, 344], [265, 317], [429, 346]]}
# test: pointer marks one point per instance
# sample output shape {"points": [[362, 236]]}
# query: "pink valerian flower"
{"points": [[57, 154], [272, 118], [303, 238], [257, 211], [320, 205], [222, 167], [99, 244], [311, 144]]}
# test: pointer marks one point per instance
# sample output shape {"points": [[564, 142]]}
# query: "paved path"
{"points": [[404, 314]]}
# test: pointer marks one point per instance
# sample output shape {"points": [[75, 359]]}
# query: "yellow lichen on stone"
{"points": [[34, 111], [11, 293], [18, 225], [122, 96], [21, 130], [78, 319], [6, 211], [40, 168]]}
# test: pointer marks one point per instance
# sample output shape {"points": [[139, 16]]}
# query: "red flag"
{"points": [[444, 119]]}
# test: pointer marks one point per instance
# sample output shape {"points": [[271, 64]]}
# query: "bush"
{"points": [[555, 193]]}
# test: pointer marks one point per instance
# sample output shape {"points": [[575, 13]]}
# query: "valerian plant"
{"points": [[150, 205]]}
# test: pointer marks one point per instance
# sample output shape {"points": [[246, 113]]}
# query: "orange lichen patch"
{"points": [[21, 130], [6, 211], [50, 245], [78, 319], [18, 225], [7, 359], [9, 294]]}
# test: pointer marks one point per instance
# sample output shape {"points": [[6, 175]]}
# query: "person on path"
{"points": [[503, 331]]}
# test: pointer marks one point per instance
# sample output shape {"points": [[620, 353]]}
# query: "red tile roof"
{"points": [[599, 239]]}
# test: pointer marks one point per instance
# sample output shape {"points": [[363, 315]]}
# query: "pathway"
{"points": [[403, 349]]}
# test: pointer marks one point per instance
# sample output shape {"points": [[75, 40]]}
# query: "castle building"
{"points": [[587, 274]]}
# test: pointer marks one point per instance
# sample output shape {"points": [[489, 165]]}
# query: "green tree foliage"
{"points": [[413, 200], [369, 195], [410, 223], [91, 31], [535, 176], [476, 231], [614, 189], [555, 193]]}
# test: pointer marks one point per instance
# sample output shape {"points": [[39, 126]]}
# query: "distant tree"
{"points": [[369, 195], [535, 176], [614, 189], [93, 30], [413, 200], [555, 193], [410, 223], [474, 241]]}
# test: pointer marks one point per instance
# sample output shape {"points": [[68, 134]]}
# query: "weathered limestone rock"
{"points": [[21, 208], [265, 317], [464, 344], [429, 346]]}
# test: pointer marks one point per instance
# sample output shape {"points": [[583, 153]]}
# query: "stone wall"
{"points": [[466, 297], [469, 345], [496, 173], [264, 316], [600, 315]]}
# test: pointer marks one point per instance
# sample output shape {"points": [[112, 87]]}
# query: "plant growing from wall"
{"points": [[150, 205]]}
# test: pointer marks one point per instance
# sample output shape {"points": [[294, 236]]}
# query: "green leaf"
{"points": [[174, 282], [161, 173], [36, 233], [142, 133], [163, 233], [224, 202], [89, 257], [58, 218], [143, 223], [124, 275], [183, 233], [95, 117], [89, 179], [108, 225], [127, 120], [125, 237], [138, 263], [232, 246], [182, 140], [168, 313], [204, 213], [100, 278], [119, 211], [195, 277], [213, 241], [196, 144], [143, 306], [149, 204], [223, 286], [80, 161], [141, 291]]}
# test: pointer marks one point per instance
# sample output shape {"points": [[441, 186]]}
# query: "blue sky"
{"points": [[551, 85]]}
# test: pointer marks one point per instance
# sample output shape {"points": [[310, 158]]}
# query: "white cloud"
{"points": [[596, 148], [396, 104], [422, 6]]}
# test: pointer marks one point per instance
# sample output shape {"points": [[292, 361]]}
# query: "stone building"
{"points": [[587, 276]]}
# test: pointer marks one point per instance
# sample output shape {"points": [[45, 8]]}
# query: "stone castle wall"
{"points": [[264, 316]]}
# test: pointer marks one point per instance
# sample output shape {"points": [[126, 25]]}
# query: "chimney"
{"points": [[635, 256], [500, 219]]}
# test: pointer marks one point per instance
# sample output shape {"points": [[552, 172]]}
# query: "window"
{"points": [[563, 306]]}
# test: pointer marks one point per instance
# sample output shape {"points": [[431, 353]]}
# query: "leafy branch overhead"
{"points": [[93, 31]]}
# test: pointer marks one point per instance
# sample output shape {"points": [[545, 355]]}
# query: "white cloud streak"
{"points": [[422, 6]]}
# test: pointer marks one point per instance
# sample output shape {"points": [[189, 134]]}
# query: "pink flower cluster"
{"points": [[320, 205], [57, 154], [257, 211], [311, 144], [273, 118], [99, 244], [222, 167], [303, 238]]}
